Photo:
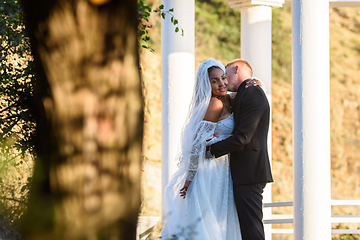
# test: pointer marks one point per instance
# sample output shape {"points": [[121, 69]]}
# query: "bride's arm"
{"points": [[196, 152], [206, 130]]}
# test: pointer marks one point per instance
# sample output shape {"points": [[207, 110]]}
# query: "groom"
{"points": [[249, 160]]}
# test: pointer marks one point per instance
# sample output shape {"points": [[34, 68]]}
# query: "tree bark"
{"points": [[89, 112]]}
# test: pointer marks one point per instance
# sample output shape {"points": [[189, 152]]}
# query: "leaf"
{"points": [[176, 29], [161, 6], [171, 10], [176, 22], [172, 19], [163, 15]]}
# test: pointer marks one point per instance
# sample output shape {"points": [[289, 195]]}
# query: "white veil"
{"points": [[198, 106]]}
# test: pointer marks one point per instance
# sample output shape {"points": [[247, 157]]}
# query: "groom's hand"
{"points": [[184, 189]]}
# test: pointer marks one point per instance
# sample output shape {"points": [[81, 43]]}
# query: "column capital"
{"points": [[252, 3]]}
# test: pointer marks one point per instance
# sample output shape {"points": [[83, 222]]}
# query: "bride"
{"points": [[203, 207]]}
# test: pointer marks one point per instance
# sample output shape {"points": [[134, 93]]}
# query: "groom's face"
{"points": [[230, 74]]}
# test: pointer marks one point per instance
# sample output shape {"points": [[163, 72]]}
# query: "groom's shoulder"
{"points": [[253, 91], [254, 95]]}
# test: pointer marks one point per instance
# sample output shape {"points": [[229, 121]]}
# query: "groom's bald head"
{"points": [[237, 71], [242, 64]]}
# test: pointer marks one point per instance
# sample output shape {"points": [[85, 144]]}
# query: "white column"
{"points": [[256, 49], [256, 21], [178, 74], [311, 119], [256, 41]]}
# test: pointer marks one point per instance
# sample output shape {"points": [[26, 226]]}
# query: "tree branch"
{"points": [[12, 105], [13, 199], [9, 118]]}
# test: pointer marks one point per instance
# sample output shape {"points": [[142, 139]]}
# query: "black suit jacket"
{"points": [[249, 160]]}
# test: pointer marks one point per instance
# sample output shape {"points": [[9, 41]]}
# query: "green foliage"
{"points": [[144, 11], [17, 125], [281, 46], [217, 33], [17, 78], [217, 30], [356, 45], [345, 236]]}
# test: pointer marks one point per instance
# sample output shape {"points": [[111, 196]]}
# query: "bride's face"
{"points": [[218, 82]]}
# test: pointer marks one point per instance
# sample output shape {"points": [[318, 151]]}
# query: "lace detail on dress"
{"points": [[204, 133], [204, 137]]}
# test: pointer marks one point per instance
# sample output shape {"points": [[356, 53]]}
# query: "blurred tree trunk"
{"points": [[88, 108]]}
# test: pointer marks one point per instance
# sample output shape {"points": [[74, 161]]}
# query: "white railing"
{"points": [[147, 224], [282, 218]]}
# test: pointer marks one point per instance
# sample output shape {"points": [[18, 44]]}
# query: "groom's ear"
{"points": [[236, 69]]}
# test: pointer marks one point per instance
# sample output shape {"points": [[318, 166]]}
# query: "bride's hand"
{"points": [[254, 82], [184, 189], [214, 135]]}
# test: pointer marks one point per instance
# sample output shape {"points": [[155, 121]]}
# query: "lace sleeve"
{"points": [[197, 150]]}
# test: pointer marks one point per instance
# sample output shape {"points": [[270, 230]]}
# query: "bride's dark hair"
{"points": [[210, 69], [198, 106]]}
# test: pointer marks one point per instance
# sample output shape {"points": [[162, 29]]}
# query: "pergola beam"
{"points": [[336, 3], [253, 3]]}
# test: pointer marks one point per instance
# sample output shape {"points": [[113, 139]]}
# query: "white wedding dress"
{"points": [[208, 212]]}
